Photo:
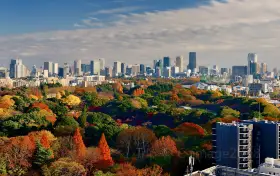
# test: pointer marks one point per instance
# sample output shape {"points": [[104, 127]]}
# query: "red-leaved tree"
{"points": [[105, 152], [79, 144]]}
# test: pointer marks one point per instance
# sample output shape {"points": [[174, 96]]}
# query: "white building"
{"points": [[180, 63], [55, 68], [94, 78], [102, 63], [78, 67], [135, 70]]}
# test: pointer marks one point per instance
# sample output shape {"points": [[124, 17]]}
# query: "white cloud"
{"points": [[115, 10], [221, 33]]}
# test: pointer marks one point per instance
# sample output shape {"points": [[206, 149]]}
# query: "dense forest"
{"points": [[112, 130]]}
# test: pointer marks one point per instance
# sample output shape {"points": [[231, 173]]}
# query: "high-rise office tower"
{"points": [[66, 69], [275, 71], [108, 71], [232, 144], [224, 71], [117, 70], [174, 71], [123, 68], [61, 72], [95, 67], [180, 63], [78, 67], [12, 67], [239, 71], [142, 69], [166, 62], [252, 63], [55, 68], [17, 69], [204, 70], [102, 63], [48, 66], [192, 61], [263, 68], [167, 72], [135, 69]]}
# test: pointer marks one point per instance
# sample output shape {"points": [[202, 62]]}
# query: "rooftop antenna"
{"points": [[191, 163]]}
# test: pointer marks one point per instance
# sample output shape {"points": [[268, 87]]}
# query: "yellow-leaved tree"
{"points": [[72, 100]]}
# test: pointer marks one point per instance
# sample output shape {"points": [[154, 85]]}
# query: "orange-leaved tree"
{"points": [[165, 146], [138, 92], [45, 141], [79, 144], [105, 152]]}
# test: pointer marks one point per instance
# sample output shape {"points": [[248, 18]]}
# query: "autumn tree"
{"points": [[18, 152], [138, 92], [65, 167], [45, 141], [126, 169], [92, 159], [190, 129], [118, 87], [155, 170], [164, 146], [137, 140], [105, 151], [79, 144]]}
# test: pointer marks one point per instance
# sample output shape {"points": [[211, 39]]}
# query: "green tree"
{"points": [[101, 123], [162, 130], [42, 155], [83, 117], [227, 111], [100, 173]]}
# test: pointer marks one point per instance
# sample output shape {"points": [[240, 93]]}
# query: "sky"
{"points": [[222, 32]]}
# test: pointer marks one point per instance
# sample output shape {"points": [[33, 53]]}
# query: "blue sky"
{"points": [[137, 31], [25, 16]]}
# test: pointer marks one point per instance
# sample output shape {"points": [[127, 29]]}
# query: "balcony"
{"points": [[244, 130], [243, 149], [243, 154], [243, 160], [244, 136], [243, 142]]}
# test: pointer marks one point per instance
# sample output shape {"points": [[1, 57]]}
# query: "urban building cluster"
{"points": [[254, 77]]}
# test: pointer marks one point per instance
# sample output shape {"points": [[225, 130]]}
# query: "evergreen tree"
{"points": [[42, 155], [83, 118]]}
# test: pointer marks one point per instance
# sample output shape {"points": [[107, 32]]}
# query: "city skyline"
{"points": [[138, 30]]}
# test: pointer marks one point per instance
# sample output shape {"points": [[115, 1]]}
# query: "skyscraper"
{"points": [[108, 71], [252, 63], [166, 62], [123, 68], [66, 70], [17, 69], [95, 67], [142, 69], [78, 67], [48, 66], [224, 71], [55, 68], [180, 63], [102, 63], [135, 69], [192, 61], [239, 71], [117, 70], [263, 68], [12, 67]]}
